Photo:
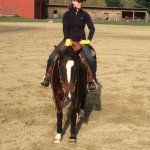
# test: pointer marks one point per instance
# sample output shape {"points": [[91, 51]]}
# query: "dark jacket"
{"points": [[74, 24]]}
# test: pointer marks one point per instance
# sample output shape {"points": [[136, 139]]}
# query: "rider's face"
{"points": [[77, 4]]}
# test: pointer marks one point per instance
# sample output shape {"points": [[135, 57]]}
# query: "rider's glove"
{"points": [[85, 41], [68, 42]]}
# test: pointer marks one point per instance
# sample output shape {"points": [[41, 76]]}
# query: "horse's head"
{"points": [[68, 66]]}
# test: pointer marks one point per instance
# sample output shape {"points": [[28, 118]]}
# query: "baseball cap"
{"points": [[81, 0]]}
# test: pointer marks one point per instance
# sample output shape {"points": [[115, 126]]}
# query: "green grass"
{"points": [[22, 19], [116, 23], [122, 23]]}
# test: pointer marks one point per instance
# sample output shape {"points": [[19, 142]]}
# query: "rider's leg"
{"points": [[94, 57], [53, 55], [87, 53], [45, 82], [51, 59]]}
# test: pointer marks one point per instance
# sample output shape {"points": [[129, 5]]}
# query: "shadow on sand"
{"points": [[93, 103]]}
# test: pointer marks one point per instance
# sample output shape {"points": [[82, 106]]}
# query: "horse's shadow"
{"points": [[93, 103]]}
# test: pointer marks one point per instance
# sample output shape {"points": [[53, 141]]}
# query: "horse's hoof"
{"points": [[57, 141], [72, 141], [81, 113], [57, 138]]}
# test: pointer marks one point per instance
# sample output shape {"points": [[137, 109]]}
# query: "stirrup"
{"points": [[96, 85], [93, 86]]}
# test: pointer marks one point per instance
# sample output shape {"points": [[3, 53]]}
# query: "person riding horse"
{"points": [[74, 21]]}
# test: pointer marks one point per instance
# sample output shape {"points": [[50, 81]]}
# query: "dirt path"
{"points": [[27, 113]]}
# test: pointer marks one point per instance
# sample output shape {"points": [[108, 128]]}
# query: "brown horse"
{"points": [[69, 82]]}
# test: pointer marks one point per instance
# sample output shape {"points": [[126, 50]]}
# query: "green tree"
{"points": [[114, 3], [143, 4]]}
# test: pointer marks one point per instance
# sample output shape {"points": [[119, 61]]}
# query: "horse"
{"points": [[69, 82]]}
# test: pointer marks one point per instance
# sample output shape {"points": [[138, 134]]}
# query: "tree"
{"points": [[143, 3], [114, 3]]}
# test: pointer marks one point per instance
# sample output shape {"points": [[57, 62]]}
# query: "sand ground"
{"points": [[117, 115]]}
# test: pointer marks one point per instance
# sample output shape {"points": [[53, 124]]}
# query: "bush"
{"points": [[114, 3]]}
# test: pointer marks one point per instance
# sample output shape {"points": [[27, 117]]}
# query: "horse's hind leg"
{"points": [[59, 127], [73, 126]]}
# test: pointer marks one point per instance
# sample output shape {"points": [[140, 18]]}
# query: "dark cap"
{"points": [[81, 0]]}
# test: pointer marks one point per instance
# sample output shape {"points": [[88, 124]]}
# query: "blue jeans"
{"points": [[52, 56], [87, 53]]}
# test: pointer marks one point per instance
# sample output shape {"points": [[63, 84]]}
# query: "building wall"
{"points": [[60, 12], [96, 14], [104, 14], [110, 14], [24, 8]]}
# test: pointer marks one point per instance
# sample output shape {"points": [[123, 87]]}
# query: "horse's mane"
{"points": [[69, 51]]}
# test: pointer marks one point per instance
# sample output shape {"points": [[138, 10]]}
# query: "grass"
{"points": [[22, 19], [122, 23], [116, 23]]}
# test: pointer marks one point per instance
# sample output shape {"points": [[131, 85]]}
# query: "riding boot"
{"points": [[45, 82], [47, 79]]}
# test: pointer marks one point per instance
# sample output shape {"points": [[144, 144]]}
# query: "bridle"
{"points": [[62, 81]]}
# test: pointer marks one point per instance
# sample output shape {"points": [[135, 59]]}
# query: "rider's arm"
{"points": [[90, 26], [65, 25]]}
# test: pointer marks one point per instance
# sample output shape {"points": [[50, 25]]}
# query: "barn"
{"points": [[103, 13], [24, 8], [39, 9]]}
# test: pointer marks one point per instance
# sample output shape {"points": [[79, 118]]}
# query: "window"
{"points": [[106, 16], [55, 11]]}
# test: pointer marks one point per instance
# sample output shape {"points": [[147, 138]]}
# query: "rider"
{"points": [[74, 22]]}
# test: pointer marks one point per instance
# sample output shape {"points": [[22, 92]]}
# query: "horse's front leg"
{"points": [[82, 106], [58, 98], [58, 136], [73, 126]]}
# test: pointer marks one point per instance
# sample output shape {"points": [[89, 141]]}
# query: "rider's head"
{"points": [[77, 3]]}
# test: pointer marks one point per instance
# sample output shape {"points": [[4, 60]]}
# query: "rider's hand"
{"points": [[85, 41], [68, 42]]}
